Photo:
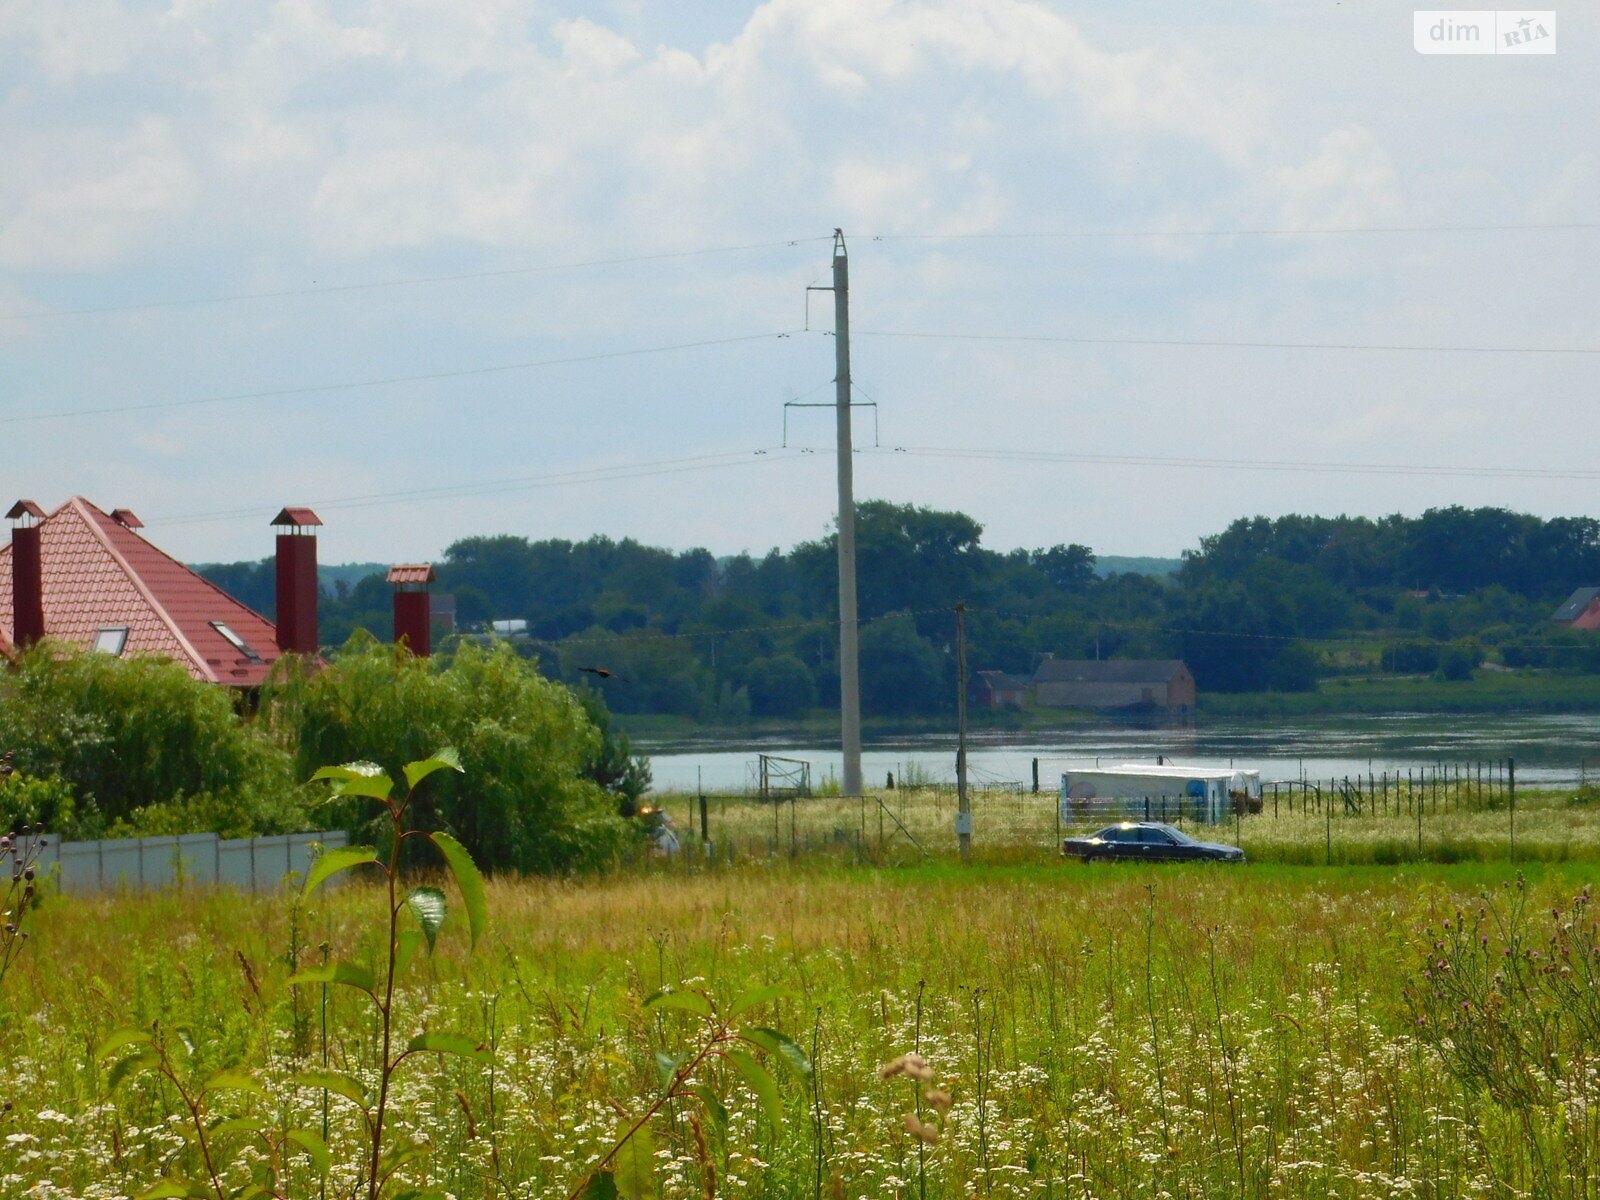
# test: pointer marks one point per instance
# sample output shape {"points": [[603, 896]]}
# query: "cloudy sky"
{"points": [[550, 259]]}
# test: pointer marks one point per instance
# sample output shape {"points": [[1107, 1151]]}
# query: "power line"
{"points": [[1210, 343], [545, 268], [333, 289], [1225, 233], [1241, 464], [431, 376], [622, 471]]}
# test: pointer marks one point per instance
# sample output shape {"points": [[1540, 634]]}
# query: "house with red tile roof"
{"points": [[90, 579]]}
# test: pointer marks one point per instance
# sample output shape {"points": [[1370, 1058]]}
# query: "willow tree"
{"points": [[523, 802]]}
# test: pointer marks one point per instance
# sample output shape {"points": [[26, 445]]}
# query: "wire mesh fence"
{"points": [[1446, 812]]}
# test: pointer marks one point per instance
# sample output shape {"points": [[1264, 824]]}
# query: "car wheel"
{"points": [[1088, 858]]}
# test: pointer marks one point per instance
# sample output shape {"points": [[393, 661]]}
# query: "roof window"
{"points": [[237, 642], [112, 640]]}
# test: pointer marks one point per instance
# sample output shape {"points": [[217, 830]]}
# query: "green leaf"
{"points": [[761, 995], [333, 1081], [330, 862], [429, 905], [781, 1048], [413, 1194], [336, 972], [602, 1185], [406, 944], [402, 1150], [468, 879], [254, 1190], [233, 1081], [762, 1084], [635, 1164], [713, 1105], [667, 1065], [119, 1038], [316, 1149], [357, 779], [238, 1125], [447, 759], [449, 1043], [128, 1067], [173, 1189], [688, 1001]]}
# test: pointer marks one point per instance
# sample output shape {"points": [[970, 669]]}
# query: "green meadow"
{"points": [[1272, 1030]]}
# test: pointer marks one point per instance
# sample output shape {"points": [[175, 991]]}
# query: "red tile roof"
{"points": [[98, 573], [411, 573]]}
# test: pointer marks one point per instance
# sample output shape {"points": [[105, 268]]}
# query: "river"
{"points": [[1551, 750]]}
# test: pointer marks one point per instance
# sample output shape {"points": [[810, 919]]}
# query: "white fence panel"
{"points": [[249, 864]]}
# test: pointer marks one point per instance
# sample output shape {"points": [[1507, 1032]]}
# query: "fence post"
{"points": [[1036, 777], [1511, 803], [1419, 833]]}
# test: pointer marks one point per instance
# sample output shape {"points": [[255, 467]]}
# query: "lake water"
{"points": [[1553, 750]]}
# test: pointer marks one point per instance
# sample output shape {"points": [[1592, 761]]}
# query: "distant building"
{"points": [[996, 689], [1114, 683], [1581, 611]]}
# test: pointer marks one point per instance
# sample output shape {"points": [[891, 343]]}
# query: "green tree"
{"points": [[525, 740], [902, 672], [781, 686], [144, 746]]}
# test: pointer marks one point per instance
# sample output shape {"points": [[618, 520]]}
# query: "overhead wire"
{"points": [[420, 280], [1239, 464], [621, 471], [1303, 231], [386, 381], [1220, 343]]}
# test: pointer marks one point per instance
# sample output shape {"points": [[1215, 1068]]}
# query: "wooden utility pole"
{"points": [[849, 654], [963, 801]]}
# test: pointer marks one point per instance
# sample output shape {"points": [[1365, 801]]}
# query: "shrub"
{"points": [[122, 734], [523, 739]]}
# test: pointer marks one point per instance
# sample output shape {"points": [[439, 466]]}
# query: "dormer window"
{"points": [[112, 640], [237, 642]]}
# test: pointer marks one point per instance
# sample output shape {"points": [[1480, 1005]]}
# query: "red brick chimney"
{"points": [[297, 580], [27, 574], [413, 607]]}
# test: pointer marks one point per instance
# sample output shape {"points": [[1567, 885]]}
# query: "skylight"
{"points": [[112, 640], [237, 642]]}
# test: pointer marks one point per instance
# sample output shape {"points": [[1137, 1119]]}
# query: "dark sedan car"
{"points": [[1147, 841]]}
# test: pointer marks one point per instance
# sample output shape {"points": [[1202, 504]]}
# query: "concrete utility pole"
{"points": [[963, 801], [849, 656]]}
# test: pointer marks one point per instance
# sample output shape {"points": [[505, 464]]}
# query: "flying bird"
{"points": [[604, 674]]}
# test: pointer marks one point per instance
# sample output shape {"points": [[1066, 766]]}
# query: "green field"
{"points": [[1265, 1031], [1488, 691]]}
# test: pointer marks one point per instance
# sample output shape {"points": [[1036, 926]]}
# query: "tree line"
{"points": [[1253, 608]]}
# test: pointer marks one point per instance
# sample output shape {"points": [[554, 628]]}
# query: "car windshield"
{"points": [[1182, 838]]}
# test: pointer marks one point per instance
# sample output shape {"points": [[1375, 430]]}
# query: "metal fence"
{"points": [[249, 864], [1445, 812]]}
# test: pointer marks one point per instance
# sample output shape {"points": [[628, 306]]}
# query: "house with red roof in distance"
{"points": [[89, 578], [1581, 611]]}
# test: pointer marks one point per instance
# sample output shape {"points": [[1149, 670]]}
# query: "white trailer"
{"points": [[1157, 793]]}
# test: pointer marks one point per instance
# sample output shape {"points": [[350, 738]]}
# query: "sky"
{"points": [[509, 266]]}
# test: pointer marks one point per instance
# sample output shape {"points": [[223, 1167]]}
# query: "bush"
{"points": [[122, 734], [523, 739], [27, 801], [1459, 660]]}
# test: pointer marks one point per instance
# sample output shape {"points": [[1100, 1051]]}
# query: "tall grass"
{"points": [[907, 824], [1261, 1032]]}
